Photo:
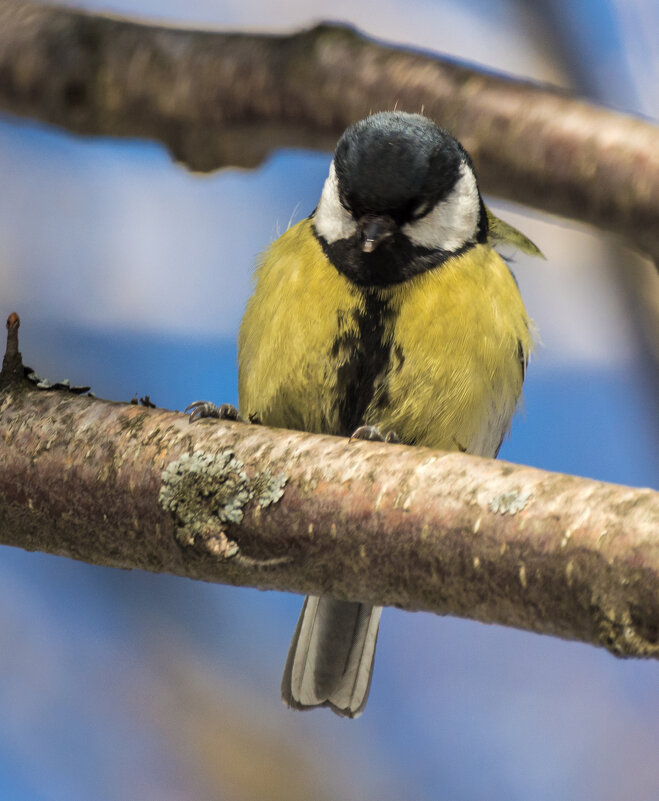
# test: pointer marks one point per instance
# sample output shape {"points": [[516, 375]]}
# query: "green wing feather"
{"points": [[501, 231]]}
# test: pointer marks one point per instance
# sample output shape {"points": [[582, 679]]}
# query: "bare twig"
{"points": [[12, 364], [120, 485], [217, 99]]}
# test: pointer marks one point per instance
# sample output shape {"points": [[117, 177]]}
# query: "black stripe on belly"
{"points": [[364, 355]]}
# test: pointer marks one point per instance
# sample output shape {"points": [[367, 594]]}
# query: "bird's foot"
{"points": [[201, 410], [373, 434]]}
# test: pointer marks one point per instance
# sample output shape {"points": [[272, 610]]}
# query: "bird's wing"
{"points": [[503, 232]]}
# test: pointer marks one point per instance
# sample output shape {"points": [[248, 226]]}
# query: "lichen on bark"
{"points": [[206, 492]]}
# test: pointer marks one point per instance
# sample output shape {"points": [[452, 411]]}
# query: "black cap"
{"points": [[396, 163]]}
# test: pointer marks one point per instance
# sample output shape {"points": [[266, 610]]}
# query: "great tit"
{"points": [[386, 310]]}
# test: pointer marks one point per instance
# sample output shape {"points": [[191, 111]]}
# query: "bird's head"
{"points": [[400, 198]]}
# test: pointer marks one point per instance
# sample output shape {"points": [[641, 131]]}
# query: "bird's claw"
{"points": [[229, 412], [373, 434], [201, 410]]}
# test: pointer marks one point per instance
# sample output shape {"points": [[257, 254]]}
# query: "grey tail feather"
{"points": [[330, 661]]}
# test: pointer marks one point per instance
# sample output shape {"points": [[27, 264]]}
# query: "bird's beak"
{"points": [[374, 229]]}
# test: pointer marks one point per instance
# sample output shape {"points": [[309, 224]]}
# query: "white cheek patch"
{"points": [[331, 220], [454, 221]]}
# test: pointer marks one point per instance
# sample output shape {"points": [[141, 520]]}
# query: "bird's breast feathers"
{"points": [[439, 359]]}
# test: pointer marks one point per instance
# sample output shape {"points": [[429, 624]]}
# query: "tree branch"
{"points": [[119, 485], [217, 99]]}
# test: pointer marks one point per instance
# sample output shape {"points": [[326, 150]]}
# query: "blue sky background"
{"points": [[131, 274]]}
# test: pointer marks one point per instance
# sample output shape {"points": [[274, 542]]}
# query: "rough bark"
{"points": [[124, 486], [217, 99]]}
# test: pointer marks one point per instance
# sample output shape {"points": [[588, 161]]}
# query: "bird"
{"points": [[386, 314]]}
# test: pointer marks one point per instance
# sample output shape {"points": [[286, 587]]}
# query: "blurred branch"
{"points": [[221, 729], [575, 50], [217, 99], [123, 486]]}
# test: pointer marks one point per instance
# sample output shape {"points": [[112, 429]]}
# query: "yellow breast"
{"points": [[465, 337], [453, 339]]}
